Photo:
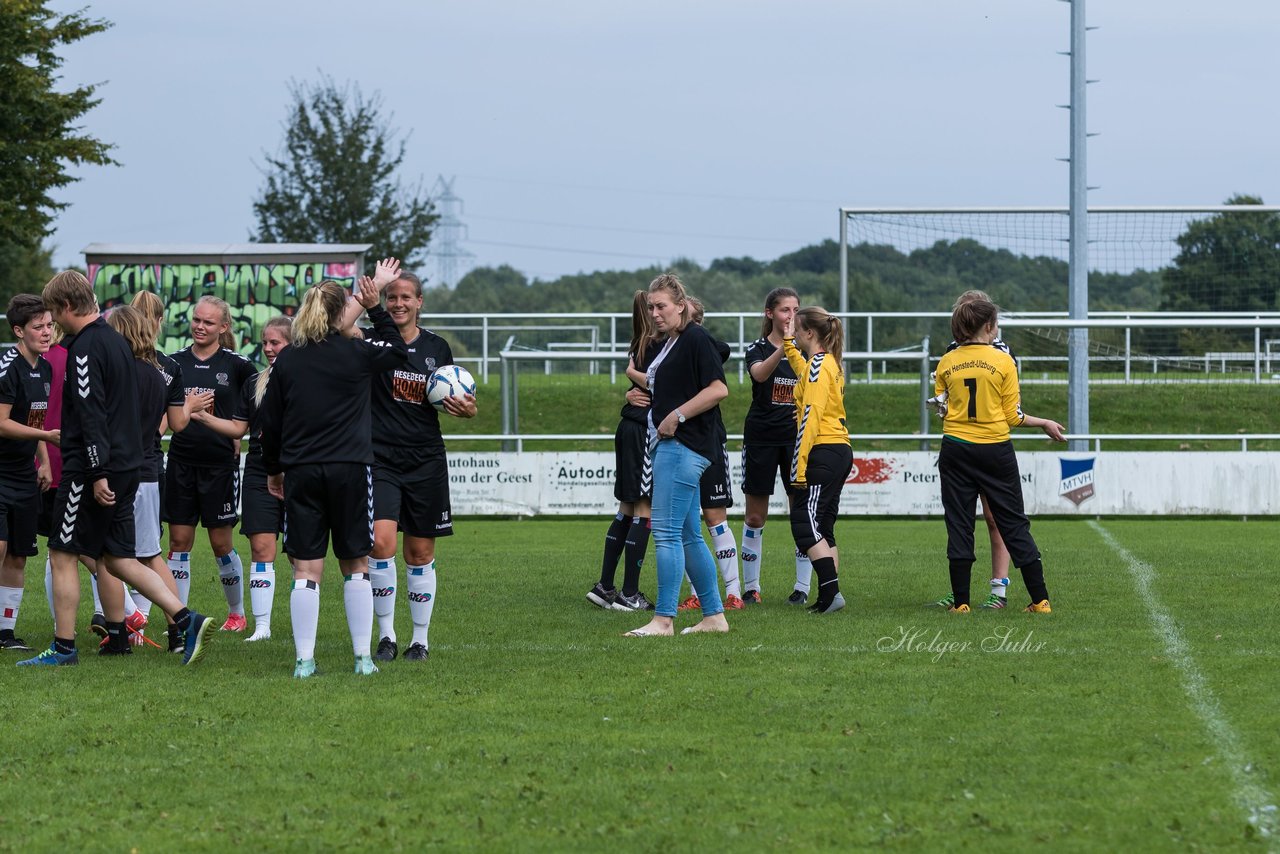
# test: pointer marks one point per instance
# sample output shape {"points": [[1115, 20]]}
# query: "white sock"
{"points": [[382, 575], [97, 600], [1000, 587], [357, 595], [804, 571], [422, 599], [140, 602], [10, 599], [722, 543], [48, 584], [304, 608], [262, 594], [180, 568], [231, 571], [751, 550]]}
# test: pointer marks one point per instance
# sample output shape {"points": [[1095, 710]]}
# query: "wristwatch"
{"points": [[679, 416]]}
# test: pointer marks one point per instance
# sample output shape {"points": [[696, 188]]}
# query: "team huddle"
{"points": [[345, 451], [795, 428], [343, 447]]}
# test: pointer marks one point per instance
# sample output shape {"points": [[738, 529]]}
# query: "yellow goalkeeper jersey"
{"points": [[983, 399], [819, 397]]}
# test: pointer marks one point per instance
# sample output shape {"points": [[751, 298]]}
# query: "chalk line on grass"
{"points": [[1258, 804]]}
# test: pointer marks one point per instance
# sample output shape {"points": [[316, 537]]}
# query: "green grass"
{"points": [[536, 726], [585, 405]]}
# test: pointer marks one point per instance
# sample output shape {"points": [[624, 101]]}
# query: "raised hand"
{"points": [[367, 293], [385, 272]]}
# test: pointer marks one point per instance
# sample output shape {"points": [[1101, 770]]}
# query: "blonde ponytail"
{"points": [[321, 313]]}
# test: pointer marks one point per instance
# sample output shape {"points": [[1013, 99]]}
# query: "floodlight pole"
{"points": [[1078, 257]]}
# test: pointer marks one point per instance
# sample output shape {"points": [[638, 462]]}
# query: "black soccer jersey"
{"points": [[247, 411], [402, 417], [26, 389], [631, 412], [224, 374], [100, 404], [175, 395], [153, 399], [317, 406], [771, 419]]}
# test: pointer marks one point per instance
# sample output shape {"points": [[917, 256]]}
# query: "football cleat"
{"points": [[994, 602], [304, 669], [797, 597], [602, 597], [635, 602], [17, 644], [752, 597], [690, 604], [387, 650], [136, 621], [834, 605], [235, 623], [946, 601], [98, 625], [260, 632], [52, 657], [958, 609], [416, 652], [365, 665], [1041, 607], [106, 649], [197, 638], [733, 603], [177, 639]]}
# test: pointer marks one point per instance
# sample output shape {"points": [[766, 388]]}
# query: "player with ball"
{"points": [[410, 471]]}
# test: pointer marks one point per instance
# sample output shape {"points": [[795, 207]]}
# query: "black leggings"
{"points": [[992, 470]]}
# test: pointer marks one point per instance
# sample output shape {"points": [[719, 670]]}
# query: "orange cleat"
{"points": [[235, 623], [733, 603], [690, 604]]}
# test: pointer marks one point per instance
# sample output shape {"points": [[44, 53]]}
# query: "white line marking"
{"points": [[1259, 806]]}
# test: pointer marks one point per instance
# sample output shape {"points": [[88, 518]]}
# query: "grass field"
{"points": [[577, 404], [1141, 715]]}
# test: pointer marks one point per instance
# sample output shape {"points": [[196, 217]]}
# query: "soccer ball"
{"points": [[449, 381]]}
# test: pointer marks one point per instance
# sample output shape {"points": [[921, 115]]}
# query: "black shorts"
{"points": [[814, 508], [413, 491], [716, 489], [83, 526], [44, 513], [328, 499], [761, 465], [260, 511], [631, 462], [205, 495], [19, 515]]}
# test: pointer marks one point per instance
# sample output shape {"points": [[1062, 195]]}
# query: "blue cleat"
{"points": [[365, 665], [197, 638], [52, 657], [304, 669]]}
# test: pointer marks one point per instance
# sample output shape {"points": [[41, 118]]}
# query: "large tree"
{"points": [[337, 179], [40, 137]]}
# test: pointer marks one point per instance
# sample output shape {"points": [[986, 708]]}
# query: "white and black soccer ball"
{"points": [[449, 381]]}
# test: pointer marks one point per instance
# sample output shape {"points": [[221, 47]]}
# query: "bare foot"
{"points": [[715, 623], [658, 627]]}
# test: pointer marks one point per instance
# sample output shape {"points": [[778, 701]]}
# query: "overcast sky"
{"points": [[609, 135]]}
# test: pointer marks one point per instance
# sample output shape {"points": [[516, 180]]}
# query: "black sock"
{"points": [[614, 542], [960, 575], [1033, 578], [62, 646], [182, 619], [637, 545], [117, 639], [828, 583]]}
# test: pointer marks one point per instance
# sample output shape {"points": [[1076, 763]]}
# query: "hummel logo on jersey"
{"points": [[82, 375], [74, 494]]}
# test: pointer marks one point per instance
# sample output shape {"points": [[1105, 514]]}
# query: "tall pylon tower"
{"points": [[451, 259]]}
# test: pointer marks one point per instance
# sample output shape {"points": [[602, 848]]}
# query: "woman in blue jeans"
{"points": [[686, 385]]}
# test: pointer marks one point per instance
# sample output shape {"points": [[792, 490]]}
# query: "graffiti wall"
{"points": [[255, 292]]}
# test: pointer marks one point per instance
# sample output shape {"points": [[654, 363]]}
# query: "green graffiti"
{"points": [[255, 293]]}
